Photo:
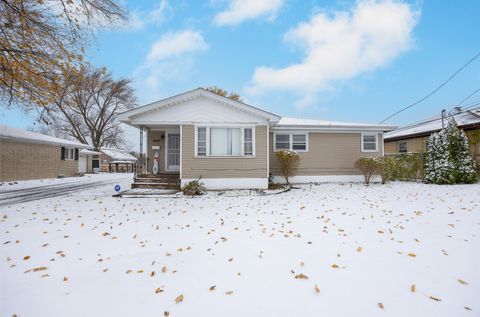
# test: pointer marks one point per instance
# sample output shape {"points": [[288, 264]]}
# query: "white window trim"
{"points": [[290, 138], [376, 142], [242, 136]]}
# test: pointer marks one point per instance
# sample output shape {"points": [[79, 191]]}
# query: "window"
{"points": [[293, 141], [282, 141], [402, 147], [299, 142], [202, 141], [68, 153], [369, 142], [222, 141], [247, 141]]}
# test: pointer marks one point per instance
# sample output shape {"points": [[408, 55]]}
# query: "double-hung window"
{"points": [[291, 141], [225, 141], [69, 153], [402, 147], [369, 142]]}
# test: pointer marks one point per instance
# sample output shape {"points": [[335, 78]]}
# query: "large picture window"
{"points": [[224, 141], [291, 141]]}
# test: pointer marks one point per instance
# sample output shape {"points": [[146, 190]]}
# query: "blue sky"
{"points": [[337, 60]]}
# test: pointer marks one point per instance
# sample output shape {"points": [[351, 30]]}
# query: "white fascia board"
{"points": [[128, 116], [325, 130]]}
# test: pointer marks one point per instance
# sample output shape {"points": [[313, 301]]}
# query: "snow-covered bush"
{"points": [[288, 161], [438, 169], [369, 166], [463, 166], [448, 159], [194, 188]]}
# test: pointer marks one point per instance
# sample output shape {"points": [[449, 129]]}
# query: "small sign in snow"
{"points": [[117, 188]]}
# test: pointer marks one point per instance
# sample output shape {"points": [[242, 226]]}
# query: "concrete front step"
{"points": [[156, 185], [157, 180], [151, 176]]}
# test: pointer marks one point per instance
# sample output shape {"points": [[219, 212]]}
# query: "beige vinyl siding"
{"points": [[414, 145], [328, 154], [157, 137], [419, 145], [231, 167], [24, 161]]}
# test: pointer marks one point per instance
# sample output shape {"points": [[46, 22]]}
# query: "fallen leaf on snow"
{"points": [[380, 305], [301, 276], [179, 299], [435, 299], [413, 288], [212, 288], [462, 282], [317, 290]]}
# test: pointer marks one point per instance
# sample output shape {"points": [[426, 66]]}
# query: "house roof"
{"points": [[463, 118], [11, 133], [129, 115], [89, 152], [119, 155], [312, 124], [278, 122]]}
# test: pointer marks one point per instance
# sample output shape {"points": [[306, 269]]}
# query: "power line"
{"points": [[435, 90], [468, 97]]}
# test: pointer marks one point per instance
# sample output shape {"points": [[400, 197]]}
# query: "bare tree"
{"points": [[85, 107], [39, 38]]}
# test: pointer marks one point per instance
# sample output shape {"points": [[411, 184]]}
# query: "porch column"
{"points": [[141, 151]]}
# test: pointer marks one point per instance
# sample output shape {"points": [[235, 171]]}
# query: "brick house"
{"points": [[28, 155]]}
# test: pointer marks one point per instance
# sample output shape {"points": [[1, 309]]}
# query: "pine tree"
{"points": [[462, 163], [438, 169]]}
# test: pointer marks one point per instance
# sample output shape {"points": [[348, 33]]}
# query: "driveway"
{"points": [[32, 190]]}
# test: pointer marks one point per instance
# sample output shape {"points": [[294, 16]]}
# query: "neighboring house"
{"points": [[118, 161], [28, 155], [413, 138], [230, 144], [89, 161]]}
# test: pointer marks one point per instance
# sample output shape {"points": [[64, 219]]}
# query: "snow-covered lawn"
{"points": [[403, 249]]}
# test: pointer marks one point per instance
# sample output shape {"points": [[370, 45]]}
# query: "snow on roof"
{"points": [[297, 122], [90, 152], [463, 118], [7, 132], [119, 155]]}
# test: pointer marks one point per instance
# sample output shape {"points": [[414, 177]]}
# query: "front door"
{"points": [[173, 152]]}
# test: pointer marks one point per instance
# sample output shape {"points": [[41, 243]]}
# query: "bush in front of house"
{"points": [[448, 159], [387, 168], [369, 166], [288, 161], [464, 169], [194, 188]]}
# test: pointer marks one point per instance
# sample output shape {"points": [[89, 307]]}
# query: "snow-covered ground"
{"points": [[403, 249]]}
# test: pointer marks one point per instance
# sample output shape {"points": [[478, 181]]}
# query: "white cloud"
{"points": [[241, 10], [169, 60], [341, 46], [174, 44], [162, 12], [137, 19]]}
